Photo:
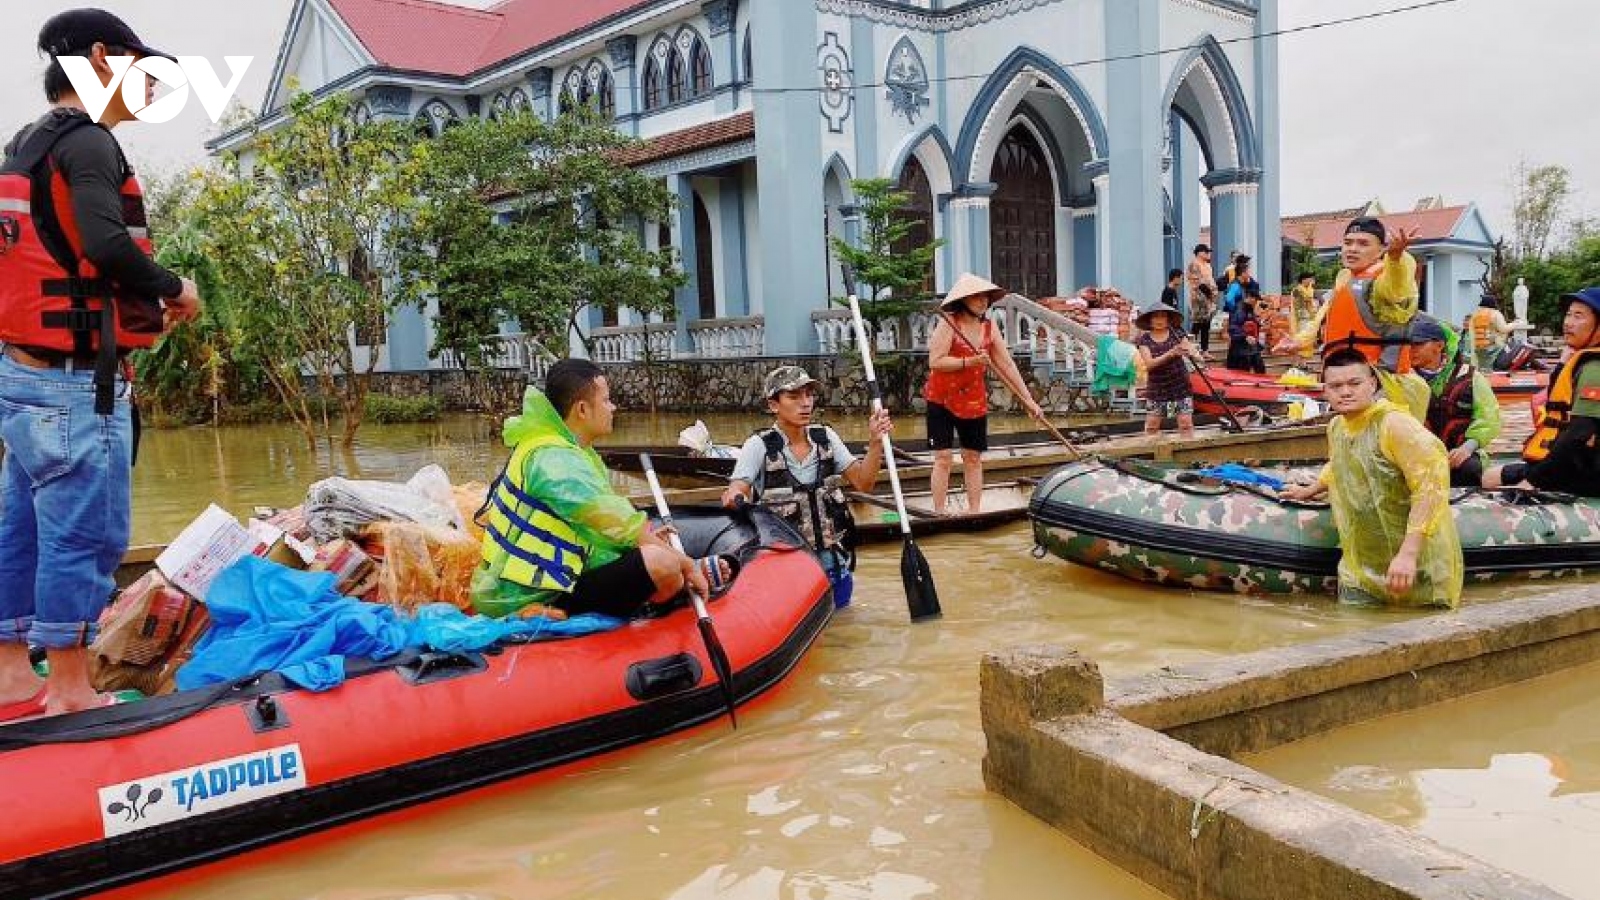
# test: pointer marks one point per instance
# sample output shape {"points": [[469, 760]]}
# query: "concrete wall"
{"points": [[1134, 771]]}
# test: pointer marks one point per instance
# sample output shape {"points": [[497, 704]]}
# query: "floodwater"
{"points": [[1510, 776], [857, 779]]}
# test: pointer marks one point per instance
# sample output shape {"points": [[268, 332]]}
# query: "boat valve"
{"points": [[265, 714]]}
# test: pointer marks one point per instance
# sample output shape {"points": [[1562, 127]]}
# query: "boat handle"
{"points": [[433, 666]]}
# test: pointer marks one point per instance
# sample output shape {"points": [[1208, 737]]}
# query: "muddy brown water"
{"points": [[1510, 776], [857, 779]]}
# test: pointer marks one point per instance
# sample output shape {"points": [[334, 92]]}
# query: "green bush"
{"points": [[395, 410]]}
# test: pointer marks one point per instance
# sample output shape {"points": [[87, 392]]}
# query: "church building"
{"points": [[1051, 144]]}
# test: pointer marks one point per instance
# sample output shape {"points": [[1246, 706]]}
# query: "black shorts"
{"points": [[1469, 473], [944, 428], [619, 588]]}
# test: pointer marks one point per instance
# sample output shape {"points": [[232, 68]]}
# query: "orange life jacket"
{"points": [[1481, 325], [1557, 410], [51, 296], [1351, 322]]}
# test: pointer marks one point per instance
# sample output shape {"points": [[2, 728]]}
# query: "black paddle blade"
{"points": [[720, 664], [922, 598]]}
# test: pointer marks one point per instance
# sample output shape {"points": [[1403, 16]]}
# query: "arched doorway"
{"points": [[1022, 217], [705, 275], [918, 213]]}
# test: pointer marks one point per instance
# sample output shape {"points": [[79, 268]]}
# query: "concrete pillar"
{"points": [[864, 58], [1104, 235], [1135, 133], [625, 77], [733, 291], [1235, 221], [724, 50], [683, 242], [1185, 191], [1064, 261], [1085, 249], [1267, 128], [789, 146], [969, 210]]}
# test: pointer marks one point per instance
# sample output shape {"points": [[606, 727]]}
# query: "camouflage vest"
{"points": [[818, 509]]}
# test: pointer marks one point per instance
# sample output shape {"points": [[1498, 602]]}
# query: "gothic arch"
{"points": [[1220, 116], [986, 123], [930, 148]]}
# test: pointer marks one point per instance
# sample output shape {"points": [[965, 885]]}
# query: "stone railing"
{"points": [[518, 351], [1049, 337], [629, 343], [835, 332], [728, 338]]}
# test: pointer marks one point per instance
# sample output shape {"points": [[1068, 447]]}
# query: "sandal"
{"points": [[712, 566]]}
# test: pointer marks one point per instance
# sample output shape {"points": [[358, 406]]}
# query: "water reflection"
{"points": [[1511, 776]]}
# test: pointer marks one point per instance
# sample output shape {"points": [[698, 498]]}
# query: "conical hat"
{"points": [[969, 285], [1174, 318]]}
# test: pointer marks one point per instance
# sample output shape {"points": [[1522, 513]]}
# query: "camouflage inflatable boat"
{"points": [[1168, 526]]}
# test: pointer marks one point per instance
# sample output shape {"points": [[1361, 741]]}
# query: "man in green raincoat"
{"points": [[556, 533], [1388, 482], [1462, 409]]}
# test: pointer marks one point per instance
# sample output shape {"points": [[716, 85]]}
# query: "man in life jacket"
{"points": [[798, 470], [1563, 453], [78, 290], [556, 534], [1489, 332], [1462, 410], [1374, 299]]}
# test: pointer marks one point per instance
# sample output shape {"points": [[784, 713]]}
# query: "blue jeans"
{"points": [[65, 502]]}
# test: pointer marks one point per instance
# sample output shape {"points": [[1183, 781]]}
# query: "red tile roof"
{"points": [[699, 137], [444, 39], [1328, 233]]}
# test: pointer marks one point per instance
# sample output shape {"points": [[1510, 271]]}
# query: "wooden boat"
{"points": [[877, 521], [1162, 524], [111, 796]]}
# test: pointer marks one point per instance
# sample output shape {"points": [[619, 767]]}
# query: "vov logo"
{"points": [[131, 77]]}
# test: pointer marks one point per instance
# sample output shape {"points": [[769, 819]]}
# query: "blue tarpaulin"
{"points": [[1237, 474], [265, 617]]}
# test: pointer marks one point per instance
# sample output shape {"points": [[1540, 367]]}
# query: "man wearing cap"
{"points": [[1202, 295], [795, 468], [1462, 409], [1374, 298], [1563, 453], [1489, 332], [74, 249], [964, 345]]}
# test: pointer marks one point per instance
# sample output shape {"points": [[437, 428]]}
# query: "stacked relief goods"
{"points": [[402, 545]]}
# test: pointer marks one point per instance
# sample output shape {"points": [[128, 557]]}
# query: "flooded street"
{"points": [[856, 779]]}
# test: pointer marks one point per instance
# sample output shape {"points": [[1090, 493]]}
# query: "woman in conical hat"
{"points": [[964, 345], [1164, 347]]}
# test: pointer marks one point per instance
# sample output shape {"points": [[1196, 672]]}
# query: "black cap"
{"points": [[1202, 248], [1368, 225], [75, 31], [1426, 329]]}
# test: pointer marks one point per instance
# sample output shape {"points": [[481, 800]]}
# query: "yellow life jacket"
{"points": [[1557, 409], [538, 548]]}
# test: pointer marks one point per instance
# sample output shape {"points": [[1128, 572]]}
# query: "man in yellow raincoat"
{"points": [[555, 532], [1388, 481]]}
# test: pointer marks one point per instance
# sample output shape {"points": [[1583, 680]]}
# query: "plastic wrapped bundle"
{"points": [[423, 564], [340, 507]]}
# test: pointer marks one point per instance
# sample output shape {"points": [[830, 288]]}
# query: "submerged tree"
{"points": [[306, 231], [533, 222]]}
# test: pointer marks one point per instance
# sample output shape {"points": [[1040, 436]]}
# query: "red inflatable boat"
{"points": [[1246, 389], [103, 798]]}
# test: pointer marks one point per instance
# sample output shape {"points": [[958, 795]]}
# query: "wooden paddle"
{"points": [[708, 631], [922, 599], [1201, 371]]}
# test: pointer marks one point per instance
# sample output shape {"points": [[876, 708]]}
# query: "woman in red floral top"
{"points": [[963, 347]]}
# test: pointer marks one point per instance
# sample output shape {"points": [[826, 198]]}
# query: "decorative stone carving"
{"points": [[438, 115], [623, 49], [389, 100], [719, 15], [906, 79], [539, 81], [838, 82]]}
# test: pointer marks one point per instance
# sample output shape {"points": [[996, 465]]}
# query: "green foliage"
{"points": [[307, 241], [562, 236], [896, 274], [1303, 258], [386, 410], [1537, 208], [1562, 272]]}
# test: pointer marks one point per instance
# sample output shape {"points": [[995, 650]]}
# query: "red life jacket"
{"points": [[51, 296], [1450, 411]]}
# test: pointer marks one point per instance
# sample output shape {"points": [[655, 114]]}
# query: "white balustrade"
{"points": [[518, 351], [729, 338], [633, 343]]}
